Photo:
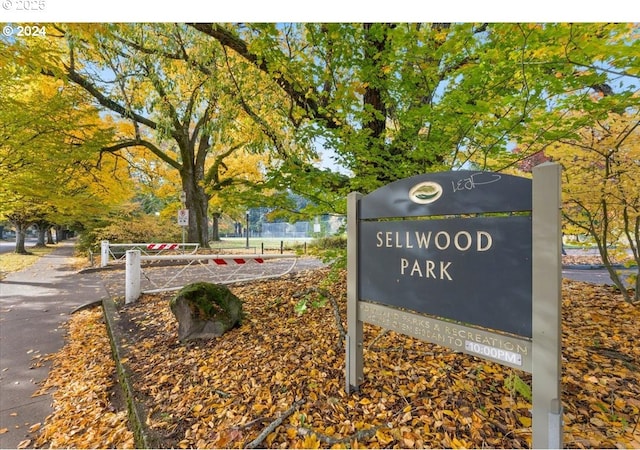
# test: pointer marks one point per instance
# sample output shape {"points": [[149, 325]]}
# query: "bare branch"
{"points": [[273, 425], [142, 143]]}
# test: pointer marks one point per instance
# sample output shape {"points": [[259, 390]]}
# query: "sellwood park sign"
{"points": [[469, 260]]}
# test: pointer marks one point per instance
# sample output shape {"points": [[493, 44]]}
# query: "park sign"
{"points": [[469, 260]]}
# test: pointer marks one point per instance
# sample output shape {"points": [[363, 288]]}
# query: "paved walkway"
{"points": [[34, 304], [595, 274]]}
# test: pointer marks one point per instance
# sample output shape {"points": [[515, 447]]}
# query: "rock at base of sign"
{"points": [[205, 310]]}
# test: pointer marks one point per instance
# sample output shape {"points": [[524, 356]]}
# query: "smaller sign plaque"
{"points": [[512, 351], [183, 217]]}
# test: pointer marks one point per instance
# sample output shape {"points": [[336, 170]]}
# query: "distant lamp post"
{"points": [[247, 229]]}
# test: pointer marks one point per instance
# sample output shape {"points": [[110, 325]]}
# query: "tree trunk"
{"points": [[215, 231], [41, 236], [59, 234], [197, 202], [21, 233], [41, 226], [49, 237]]}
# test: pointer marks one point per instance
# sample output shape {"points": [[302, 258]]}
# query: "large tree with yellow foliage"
{"points": [[171, 88], [50, 170]]}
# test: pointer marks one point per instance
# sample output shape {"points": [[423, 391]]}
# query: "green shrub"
{"points": [[330, 242]]}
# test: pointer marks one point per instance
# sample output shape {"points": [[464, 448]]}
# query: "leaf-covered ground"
{"points": [[231, 391], [82, 380]]}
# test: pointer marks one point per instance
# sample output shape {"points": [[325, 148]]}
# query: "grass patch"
{"points": [[257, 244], [13, 262]]}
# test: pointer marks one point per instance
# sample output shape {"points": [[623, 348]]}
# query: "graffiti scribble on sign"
{"points": [[475, 180]]}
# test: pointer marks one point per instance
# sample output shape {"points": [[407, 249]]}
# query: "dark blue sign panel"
{"points": [[476, 271], [465, 257]]}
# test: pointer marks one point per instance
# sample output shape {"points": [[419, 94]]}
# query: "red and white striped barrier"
{"points": [[225, 261], [117, 251], [162, 246]]}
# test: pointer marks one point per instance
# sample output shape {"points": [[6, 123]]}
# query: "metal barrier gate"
{"points": [[207, 263]]}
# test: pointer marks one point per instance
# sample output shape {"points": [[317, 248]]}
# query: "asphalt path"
{"points": [[595, 276], [34, 305], [8, 246]]}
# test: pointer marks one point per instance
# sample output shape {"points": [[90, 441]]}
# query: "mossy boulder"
{"points": [[205, 310]]}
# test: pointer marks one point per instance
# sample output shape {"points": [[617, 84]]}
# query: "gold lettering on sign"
{"points": [[438, 270], [444, 241], [462, 241]]}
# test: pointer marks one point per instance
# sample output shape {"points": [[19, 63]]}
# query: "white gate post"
{"points": [[132, 276], [104, 253]]}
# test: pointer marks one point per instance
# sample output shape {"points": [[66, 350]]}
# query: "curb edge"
{"points": [[134, 413]]}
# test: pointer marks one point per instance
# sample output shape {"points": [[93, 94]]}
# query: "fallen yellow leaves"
{"points": [[82, 376], [278, 380]]}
